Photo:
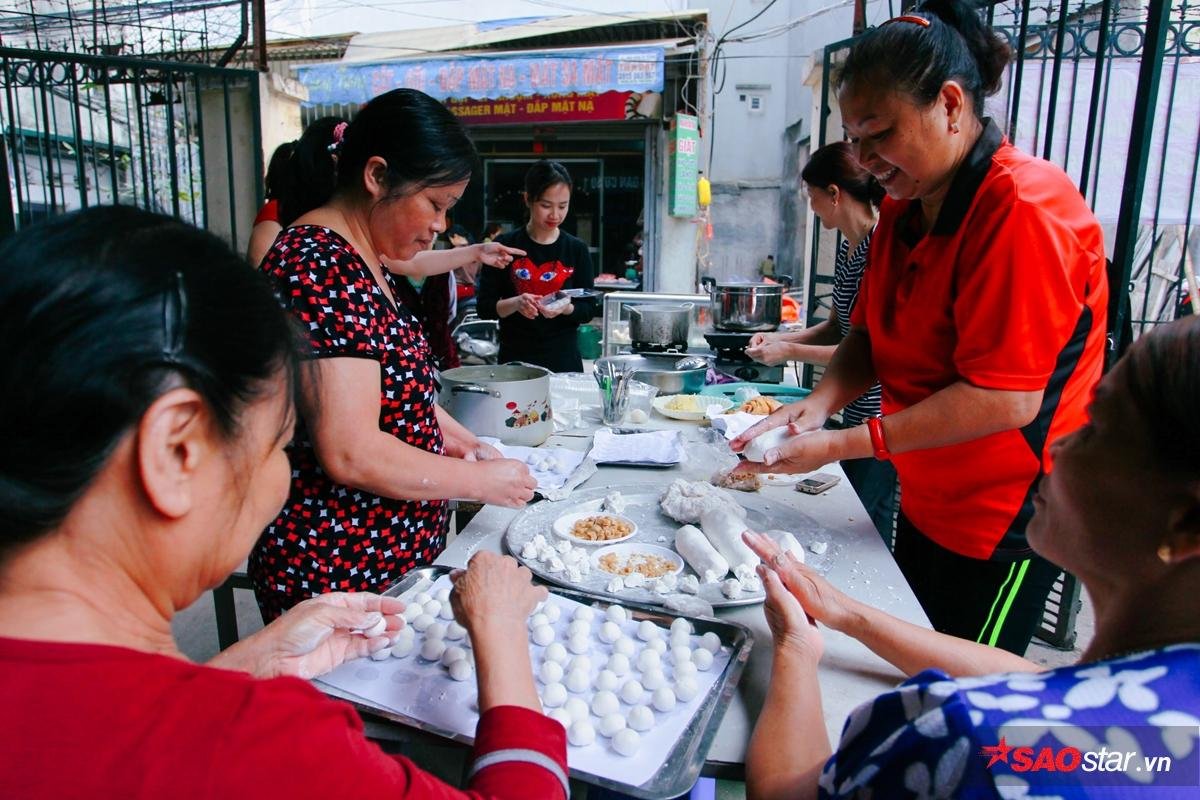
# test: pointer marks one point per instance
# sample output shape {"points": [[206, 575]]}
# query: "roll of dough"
{"points": [[787, 542], [698, 552], [724, 531], [757, 449]]}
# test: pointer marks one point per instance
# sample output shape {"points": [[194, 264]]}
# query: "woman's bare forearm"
{"points": [[789, 745]]}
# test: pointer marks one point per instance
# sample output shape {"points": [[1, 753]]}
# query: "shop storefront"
{"points": [[598, 110]]}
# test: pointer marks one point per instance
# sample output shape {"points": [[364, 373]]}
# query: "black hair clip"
{"points": [[174, 320]]}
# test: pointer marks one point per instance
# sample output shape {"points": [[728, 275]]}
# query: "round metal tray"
{"points": [[656, 528]]}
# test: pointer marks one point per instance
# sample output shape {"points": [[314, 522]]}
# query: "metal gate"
{"points": [[82, 130]]}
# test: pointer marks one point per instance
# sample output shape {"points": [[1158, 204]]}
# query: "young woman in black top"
{"points": [[530, 329]]}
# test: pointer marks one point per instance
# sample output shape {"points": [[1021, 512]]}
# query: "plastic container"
{"points": [[588, 338], [784, 394]]}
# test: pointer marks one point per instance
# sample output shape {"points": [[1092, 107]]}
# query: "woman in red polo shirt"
{"points": [[982, 315]]}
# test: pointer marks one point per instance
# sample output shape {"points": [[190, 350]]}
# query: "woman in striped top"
{"points": [[845, 196]]}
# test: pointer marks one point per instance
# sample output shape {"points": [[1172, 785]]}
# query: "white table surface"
{"points": [[849, 673]]}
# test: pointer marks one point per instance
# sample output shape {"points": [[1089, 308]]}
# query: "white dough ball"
{"points": [[606, 681], [681, 655], [432, 608], [552, 612], [442, 595], [383, 654], [538, 620], [702, 659], [577, 681], [543, 635], [581, 662], [611, 724], [461, 670], [686, 689], [648, 659], [550, 672], [647, 630], [404, 644], [454, 631], [581, 733], [422, 598], [584, 613], [680, 639], [610, 632], [422, 623], [617, 614], [411, 612], [580, 627], [640, 718], [632, 691], [447, 611], [664, 699], [710, 642], [579, 643], [377, 629], [560, 716], [432, 649], [451, 654], [556, 652], [685, 669], [554, 695], [624, 646], [653, 679], [618, 664], [604, 703], [681, 626], [577, 708], [657, 645], [436, 631], [626, 742]]}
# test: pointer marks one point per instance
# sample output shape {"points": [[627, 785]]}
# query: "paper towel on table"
{"points": [[655, 447], [735, 424]]}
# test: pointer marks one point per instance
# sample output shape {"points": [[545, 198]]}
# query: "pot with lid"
{"points": [[660, 326], [745, 306], [510, 401]]}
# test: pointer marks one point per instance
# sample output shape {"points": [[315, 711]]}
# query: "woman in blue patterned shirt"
{"points": [[845, 196], [1121, 510]]}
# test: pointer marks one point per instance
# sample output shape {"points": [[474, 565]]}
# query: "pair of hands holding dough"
{"points": [[797, 598], [506, 482], [530, 305], [807, 447], [319, 634], [769, 349]]}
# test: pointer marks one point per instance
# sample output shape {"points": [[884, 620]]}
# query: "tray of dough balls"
{"points": [[640, 692], [662, 545]]}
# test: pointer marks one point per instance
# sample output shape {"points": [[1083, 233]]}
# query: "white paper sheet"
{"points": [[423, 690], [658, 447]]}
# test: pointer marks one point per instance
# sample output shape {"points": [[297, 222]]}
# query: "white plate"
{"points": [[628, 549], [563, 525], [660, 405]]}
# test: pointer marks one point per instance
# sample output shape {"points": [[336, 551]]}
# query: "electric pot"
{"points": [[745, 306], [509, 401], [664, 325]]}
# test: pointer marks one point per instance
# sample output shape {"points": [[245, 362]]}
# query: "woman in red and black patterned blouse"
{"points": [[374, 458]]}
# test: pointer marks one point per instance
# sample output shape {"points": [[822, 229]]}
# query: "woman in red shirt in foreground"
{"points": [[150, 402]]}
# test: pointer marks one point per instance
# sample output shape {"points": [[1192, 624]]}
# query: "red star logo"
{"points": [[998, 752]]}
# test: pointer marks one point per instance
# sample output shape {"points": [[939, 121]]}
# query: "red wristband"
{"points": [[875, 427]]}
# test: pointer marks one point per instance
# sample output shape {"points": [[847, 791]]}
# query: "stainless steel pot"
{"points": [[743, 306], [660, 324], [660, 371], [510, 402]]}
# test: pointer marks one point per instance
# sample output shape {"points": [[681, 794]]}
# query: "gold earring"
{"points": [[1164, 553]]}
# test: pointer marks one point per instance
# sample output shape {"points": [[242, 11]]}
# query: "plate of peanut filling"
{"points": [[595, 527], [652, 563]]}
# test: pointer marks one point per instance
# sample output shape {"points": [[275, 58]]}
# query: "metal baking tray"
{"points": [[682, 767], [656, 528]]}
